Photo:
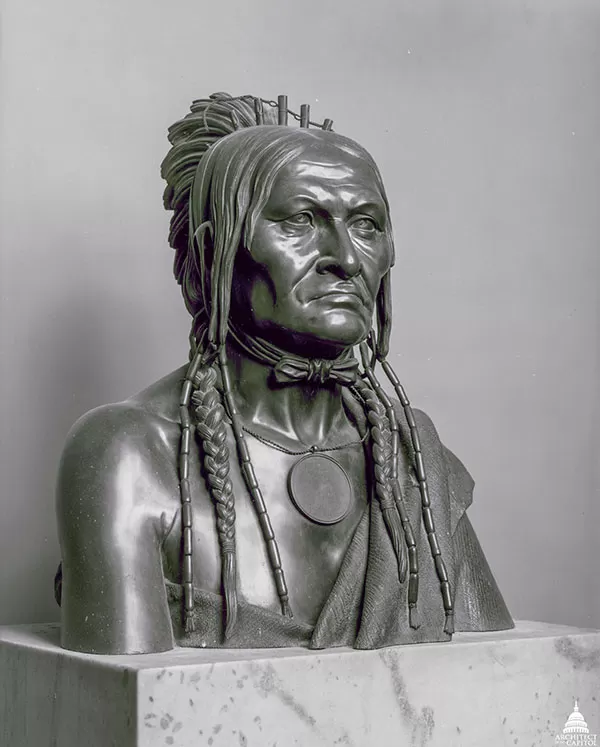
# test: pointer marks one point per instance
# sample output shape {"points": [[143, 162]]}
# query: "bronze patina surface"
{"points": [[270, 492]]}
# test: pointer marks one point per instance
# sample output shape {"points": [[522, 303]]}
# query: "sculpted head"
{"points": [[289, 236]]}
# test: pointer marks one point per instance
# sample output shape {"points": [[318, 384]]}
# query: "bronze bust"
{"points": [[270, 492]]}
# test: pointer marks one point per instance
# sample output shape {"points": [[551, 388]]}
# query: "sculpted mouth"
{"points": [[344, 292]]}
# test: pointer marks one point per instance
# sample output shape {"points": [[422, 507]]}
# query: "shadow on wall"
{"points": [[73, 360]]}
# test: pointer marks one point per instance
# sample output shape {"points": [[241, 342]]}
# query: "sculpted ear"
{"points": [[203, 244], [384, 316], [201, 259]]}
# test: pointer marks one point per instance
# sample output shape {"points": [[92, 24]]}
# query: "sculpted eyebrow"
{"points": [[289, 205], [365, 207], [299, 202]]}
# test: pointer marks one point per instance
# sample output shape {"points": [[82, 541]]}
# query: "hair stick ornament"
{"points": [[259, 111], [282, 109], [304, 115]]}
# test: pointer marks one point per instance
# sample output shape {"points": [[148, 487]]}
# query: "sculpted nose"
{"points": [[339, 254]]}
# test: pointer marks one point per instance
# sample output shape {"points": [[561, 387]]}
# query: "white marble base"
{"points": [[510, 688]]}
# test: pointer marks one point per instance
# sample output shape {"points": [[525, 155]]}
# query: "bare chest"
{"points": [[314, 503]]}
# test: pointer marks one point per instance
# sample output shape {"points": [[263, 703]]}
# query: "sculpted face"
{"points": [[309, 280]]}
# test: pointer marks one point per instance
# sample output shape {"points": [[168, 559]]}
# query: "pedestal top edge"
{"points": [[45, 638]]}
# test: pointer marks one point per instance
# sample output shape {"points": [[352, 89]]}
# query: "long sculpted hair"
{"points": [[225, 156]]}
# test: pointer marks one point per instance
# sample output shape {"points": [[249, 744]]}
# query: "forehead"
{"points": [[324, 170]]}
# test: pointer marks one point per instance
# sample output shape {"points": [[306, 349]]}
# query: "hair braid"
{"points": [[211, 431], [383, 458], [413, 583]]}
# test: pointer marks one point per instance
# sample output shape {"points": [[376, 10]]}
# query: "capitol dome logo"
{"points": [[576, 732]]}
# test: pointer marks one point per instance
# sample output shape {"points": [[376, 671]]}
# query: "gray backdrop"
{"points": [[485, 118]]}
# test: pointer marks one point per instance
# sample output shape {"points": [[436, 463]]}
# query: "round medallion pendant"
{"points": [[320, 489]]}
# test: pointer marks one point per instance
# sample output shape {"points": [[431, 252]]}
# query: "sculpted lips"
{"points": [[345, 290]]}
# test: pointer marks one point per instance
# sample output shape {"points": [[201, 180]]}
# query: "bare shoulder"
{"points": [[122, 452], [116, 496]]}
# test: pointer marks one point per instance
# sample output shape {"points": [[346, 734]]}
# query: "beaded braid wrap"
{"points": [[208, 122], [187, 571], [255, 491]]}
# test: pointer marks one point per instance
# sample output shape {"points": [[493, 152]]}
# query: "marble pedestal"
{"points": [[511, 688]]}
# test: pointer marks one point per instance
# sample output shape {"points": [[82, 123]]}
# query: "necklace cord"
{"points": [[309, 450]]}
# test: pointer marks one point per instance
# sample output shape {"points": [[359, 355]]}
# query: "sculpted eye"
{"points": [[364, 225], [300, 220]]}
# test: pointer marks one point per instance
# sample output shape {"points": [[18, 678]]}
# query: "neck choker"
{"points": [[289, 368]]}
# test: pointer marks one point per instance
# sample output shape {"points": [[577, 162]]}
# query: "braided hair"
{"points": [[225, 156]]}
